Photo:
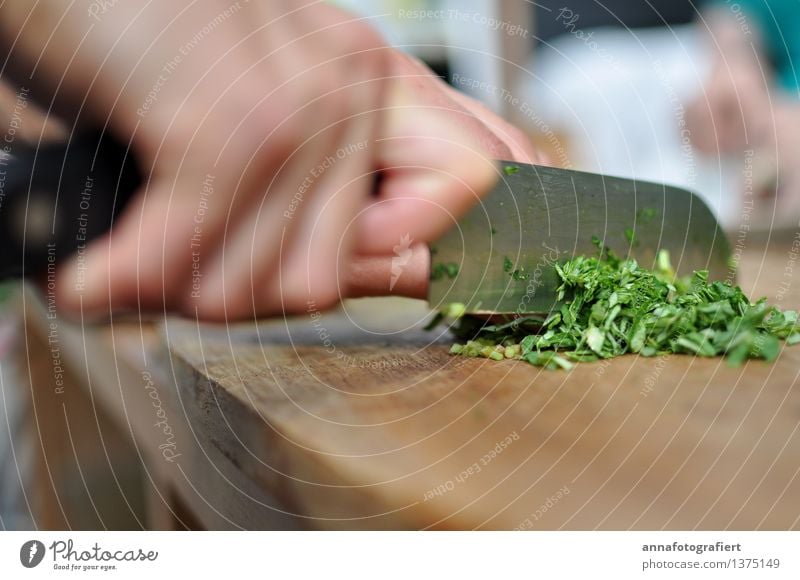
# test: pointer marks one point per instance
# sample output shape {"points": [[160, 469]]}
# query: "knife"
{"points": [[499, 258], [56, 198]]}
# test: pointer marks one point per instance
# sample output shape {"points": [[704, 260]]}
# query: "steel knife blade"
{"points": [[499, 257]]}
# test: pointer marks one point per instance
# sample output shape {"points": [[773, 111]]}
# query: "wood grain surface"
{"points": [[358, 419]]}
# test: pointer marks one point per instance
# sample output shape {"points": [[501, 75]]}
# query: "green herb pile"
{"points": [[611, 307]]}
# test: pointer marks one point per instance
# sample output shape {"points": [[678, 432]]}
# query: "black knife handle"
{"points": [[56, 198]]}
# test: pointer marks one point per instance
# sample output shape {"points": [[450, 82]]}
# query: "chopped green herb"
{"points": [[515, 273], [647, 214], [440, 270], [610, 307], [454, 310], [510, 169], [519, 274]]}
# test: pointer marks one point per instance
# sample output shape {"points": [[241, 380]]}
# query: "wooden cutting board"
{"points": [[358, 419]]}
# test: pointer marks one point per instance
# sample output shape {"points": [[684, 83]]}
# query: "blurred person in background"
{"points": [[751, 98], [664, 91]]}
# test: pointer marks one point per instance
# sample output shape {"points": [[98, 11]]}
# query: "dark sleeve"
{"points": [[554, 17]]}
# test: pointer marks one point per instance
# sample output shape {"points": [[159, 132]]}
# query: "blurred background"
{"points": [[697, 94], [702, 95]]}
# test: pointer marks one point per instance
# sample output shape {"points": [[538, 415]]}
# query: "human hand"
{"points": [[733, 110], [423, 112], [230, 109], [244, 213], [391, 223]]}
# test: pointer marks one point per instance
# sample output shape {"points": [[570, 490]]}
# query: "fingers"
{"points": [[515, 144], [435, 155], [251, 242], [487, 131], [181, 249], [144, 262], [151, 259], [31, 123], [312, 262], [287, 252], [256, 237], [432, 174]]}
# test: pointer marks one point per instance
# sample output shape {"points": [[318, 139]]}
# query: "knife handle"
{"points": [[56, 198]]}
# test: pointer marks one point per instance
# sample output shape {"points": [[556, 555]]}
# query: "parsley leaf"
{"points": [[441, 270]]}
